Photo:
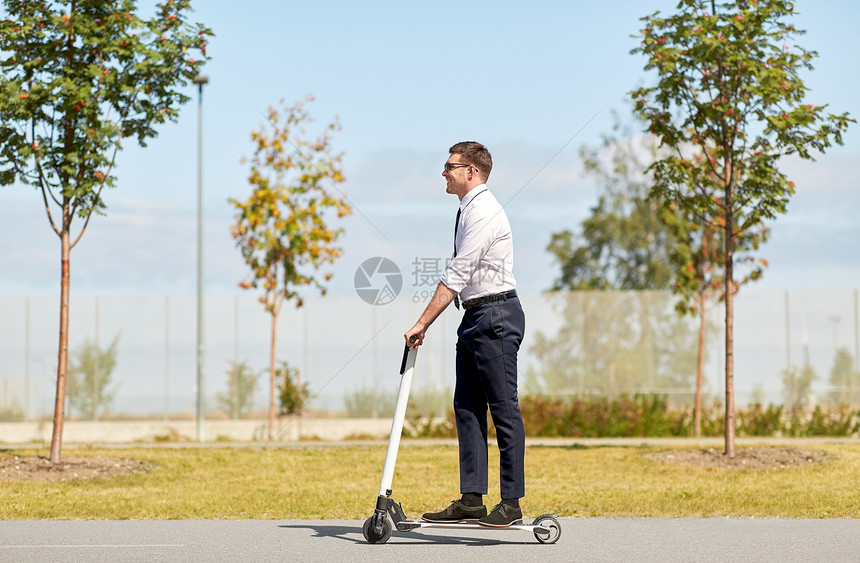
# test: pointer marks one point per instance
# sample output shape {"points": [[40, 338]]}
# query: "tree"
{"points": [[78, 78], [282, 229], [611, 343], [697, 255], [294, 394], [90, 378], [797, 385], [624, 244], [729, 89], [843, 378], [238, 400]]}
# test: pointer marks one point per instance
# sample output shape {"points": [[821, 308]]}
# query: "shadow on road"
{"points": [[353, 534]]}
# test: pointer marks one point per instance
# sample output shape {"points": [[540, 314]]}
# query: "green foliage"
{"points": [[624, 243], [363, 402], [90, 378], [613, 341], [424, 424], [797, 386], [79, 78], [652, 416], [423, 412], [430, 401], [839, 420], [281, 228], [293, 397], [729, 102], [697, 255], [429, 414], [729, 105], [844, 380], [637, 415], [11, 413], [760, 421], [242, 382]]}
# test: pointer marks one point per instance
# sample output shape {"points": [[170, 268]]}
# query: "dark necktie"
{"points": [[456, 226]]}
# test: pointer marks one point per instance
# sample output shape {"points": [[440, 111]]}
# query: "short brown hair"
{"points": [[476, 154]]}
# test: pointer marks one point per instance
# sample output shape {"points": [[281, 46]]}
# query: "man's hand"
{"points": [[416, 332], [440, 300]]}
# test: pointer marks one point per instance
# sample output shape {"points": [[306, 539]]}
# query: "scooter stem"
{"points": [[407, 367]]}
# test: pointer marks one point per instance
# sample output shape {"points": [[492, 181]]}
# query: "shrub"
{"points": [[650, 416], [759, 421]]}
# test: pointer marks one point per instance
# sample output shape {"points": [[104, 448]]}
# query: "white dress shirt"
{"points": [[484, 260]]}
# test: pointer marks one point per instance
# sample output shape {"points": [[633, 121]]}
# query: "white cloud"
{"points": [[402, 212]]}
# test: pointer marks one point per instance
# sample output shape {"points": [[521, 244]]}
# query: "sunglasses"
{"points": [[451, 165]]}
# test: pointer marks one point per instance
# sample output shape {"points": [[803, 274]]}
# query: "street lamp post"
{"points": [[200, 81]]}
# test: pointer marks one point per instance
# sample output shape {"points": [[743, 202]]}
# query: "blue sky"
{"points": [[407, 81]]}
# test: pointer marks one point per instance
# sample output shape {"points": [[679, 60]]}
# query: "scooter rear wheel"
{"points": [[376, 536], [550, 522]]}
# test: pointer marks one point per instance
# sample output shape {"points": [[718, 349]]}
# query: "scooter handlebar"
{"points": [[412, 339]]}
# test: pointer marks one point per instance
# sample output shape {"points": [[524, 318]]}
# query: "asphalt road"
{"points": [[582, 539]]}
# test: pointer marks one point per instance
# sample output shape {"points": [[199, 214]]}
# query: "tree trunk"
{"points": [[730, 360], [271, 423], [63, 355], [697, 417], [700, 359]]}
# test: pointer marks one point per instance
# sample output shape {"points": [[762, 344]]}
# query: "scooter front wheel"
{"points": [[374, 533]]}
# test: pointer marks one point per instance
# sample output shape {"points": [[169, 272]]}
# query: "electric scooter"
{"points": [[378, 528]]}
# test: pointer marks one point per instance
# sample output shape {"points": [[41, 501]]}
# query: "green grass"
{"points": [[342, 482]]}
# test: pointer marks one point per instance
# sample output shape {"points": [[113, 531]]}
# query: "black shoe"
{"points": [[502, 516], [457, 512]]}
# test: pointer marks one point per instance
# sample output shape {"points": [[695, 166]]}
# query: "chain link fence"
{"points": [[348, 351]]}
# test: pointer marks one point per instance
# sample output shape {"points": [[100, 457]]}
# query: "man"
{"points": [[488, 339]]}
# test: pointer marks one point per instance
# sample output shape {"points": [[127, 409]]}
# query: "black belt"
{"points": [[489, 299]]}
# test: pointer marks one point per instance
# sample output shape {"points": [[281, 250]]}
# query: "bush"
{"points": [[838, 420], [293, 397], [12, 413], [650, 416], [647, 416], [424, 425], [759, 421], [639, 415], [360, 403]]}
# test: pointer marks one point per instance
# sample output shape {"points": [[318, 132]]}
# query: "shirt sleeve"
{"points": [[476, 242]]}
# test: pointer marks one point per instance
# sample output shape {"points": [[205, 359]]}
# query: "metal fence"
{"points": [[583, 343]]}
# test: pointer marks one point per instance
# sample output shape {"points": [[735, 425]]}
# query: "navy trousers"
{"points": [[489, 339]]}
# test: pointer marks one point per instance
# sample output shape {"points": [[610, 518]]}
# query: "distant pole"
{"points": [[236, 329], [98, 351], [856, 335], [851, 387], [305, 367], [374, 411], [166, 357], [200, 81], [27, 358], [787, 335]]}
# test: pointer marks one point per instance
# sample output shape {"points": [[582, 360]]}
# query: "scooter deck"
{"points": [[409, 525]]}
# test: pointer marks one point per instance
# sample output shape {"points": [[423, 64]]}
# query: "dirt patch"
{"points": [[17, 468], [745, 458]]}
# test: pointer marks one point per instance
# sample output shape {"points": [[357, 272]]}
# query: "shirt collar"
{"points": [[472, 194]]}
